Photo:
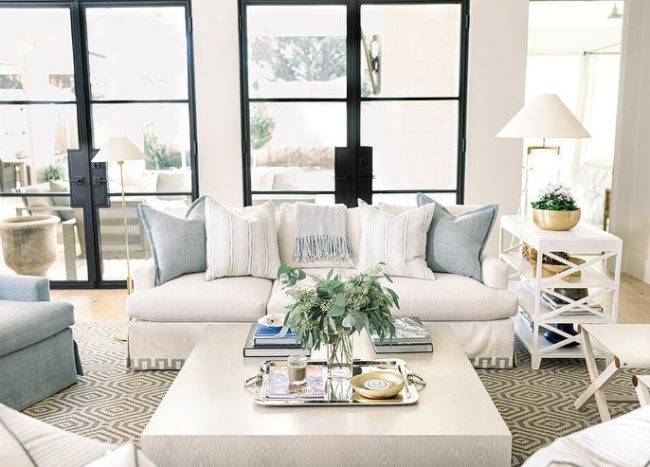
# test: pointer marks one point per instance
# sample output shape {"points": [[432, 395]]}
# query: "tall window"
{"points": [[348, 75]]}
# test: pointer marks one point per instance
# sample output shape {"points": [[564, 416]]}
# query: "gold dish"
{"points": [[379, 384], [547, 219]]}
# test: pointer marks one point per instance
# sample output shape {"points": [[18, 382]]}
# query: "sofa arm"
{"points": [[495, 273], [24, 288], [144, 277]]}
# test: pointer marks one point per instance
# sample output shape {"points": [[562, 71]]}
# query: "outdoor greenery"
{"points": [[262, 126], [298, 58], [337, 305], [51, 173], [555, 198], [158, 157]]}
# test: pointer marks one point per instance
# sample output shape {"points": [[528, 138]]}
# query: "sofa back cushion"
{"points": [[286, 222]]}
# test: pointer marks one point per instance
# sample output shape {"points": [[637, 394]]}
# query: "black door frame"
{"points": [[83, 101], [353, 97]]}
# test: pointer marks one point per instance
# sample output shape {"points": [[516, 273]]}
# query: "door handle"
{"points": [[99, 180], [78, 180]]}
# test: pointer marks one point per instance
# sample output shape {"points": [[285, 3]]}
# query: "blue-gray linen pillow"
{"points": [[455, 244], [177, 244]]}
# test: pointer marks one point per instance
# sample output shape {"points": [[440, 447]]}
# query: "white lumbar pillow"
{"points": [[241, 241], [397, 240]]}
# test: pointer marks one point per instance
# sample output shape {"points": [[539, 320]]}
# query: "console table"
{"points": [[593, 247]]}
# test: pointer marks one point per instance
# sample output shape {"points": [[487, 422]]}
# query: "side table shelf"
{"points": [[536, 316]]}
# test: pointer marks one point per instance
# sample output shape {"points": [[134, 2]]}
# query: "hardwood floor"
{"points": [[101, 306]]}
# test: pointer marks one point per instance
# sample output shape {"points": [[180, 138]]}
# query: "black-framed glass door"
{"points": [[357, 99], [76, 74]]}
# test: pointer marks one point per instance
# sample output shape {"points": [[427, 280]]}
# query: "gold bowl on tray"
{"points": [[379, 384]]}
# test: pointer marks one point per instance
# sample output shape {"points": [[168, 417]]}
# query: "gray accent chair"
{"points": [[38, 356]]}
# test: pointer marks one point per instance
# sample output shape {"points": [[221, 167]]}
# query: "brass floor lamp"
{"points": [[120, 149]]}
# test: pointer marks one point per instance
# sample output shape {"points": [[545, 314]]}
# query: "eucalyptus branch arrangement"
{"points": [[555, 198], [336, 306]]}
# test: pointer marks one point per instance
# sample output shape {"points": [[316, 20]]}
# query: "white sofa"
{"points": [[167, 320]]}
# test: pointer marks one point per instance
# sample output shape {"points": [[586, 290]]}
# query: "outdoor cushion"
{"points": [[448, 298], [192, 298], [25, 323]]}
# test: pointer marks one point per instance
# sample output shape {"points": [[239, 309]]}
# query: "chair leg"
{"points": [[597, 381], [642, 391]]}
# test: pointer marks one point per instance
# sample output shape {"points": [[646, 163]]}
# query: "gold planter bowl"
{"points": [[546, 219]]}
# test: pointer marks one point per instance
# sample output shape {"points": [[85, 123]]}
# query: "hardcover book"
{"points": [[410, 337], [251, 349]]}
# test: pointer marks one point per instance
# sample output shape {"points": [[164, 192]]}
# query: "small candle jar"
{"points": [[297, 365]]}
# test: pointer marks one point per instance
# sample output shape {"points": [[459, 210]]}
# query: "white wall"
{"points": [[630, 190], [497, 62]]}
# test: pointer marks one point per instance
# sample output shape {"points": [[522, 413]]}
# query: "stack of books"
{"points": [[410, 337], [272, 341]]}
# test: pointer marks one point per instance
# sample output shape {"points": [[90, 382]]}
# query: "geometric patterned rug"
{"points": [[113, 404]]}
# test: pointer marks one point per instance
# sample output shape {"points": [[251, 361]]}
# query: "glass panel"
{"points": [[34, 140], [51, 242], [137, 53], [36, 54], [292, 145], [414, 143], [413, 50], [161, 131], [296, 51], [410, 199], [279, 200], [111, 231]]}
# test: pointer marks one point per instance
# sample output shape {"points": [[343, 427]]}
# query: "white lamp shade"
{"points": [[118, 149], [545, 116]]}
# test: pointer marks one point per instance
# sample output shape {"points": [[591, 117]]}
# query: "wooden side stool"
{"points": [[630, 346]]}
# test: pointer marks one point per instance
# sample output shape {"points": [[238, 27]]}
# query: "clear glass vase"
{"points": [[339, 356]]}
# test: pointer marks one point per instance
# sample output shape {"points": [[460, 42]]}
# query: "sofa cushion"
{"points": [[25, 323], [448, 298], [192, 298]]}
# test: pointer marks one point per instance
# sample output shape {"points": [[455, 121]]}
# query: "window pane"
{"points": [[410, 199], [414, 50], [279, 200], [137, 53], [414, 143], [36, 54], [296, 51], [292, 145], [61, 256], [34, 141], [161, 131], [111, 232]]}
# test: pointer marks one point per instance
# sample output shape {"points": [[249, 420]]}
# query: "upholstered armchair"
{"points": [[38, 356]]}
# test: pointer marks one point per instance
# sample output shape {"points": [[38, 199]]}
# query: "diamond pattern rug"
{"points": [[113, 404]]}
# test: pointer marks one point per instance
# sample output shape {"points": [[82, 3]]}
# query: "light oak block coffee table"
{"points": [[208, 417]]}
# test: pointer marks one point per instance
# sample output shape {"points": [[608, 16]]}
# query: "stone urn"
{"points": [[29, 243]]}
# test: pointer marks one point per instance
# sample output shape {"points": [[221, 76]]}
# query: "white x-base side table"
{"points": [[642, 387], [630, 346]]}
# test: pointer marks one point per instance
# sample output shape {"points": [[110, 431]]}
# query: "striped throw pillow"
{"points": [[241, 241], [397, 240]]}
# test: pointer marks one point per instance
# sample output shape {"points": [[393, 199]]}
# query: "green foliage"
{"points": [[51, 173], [157, 155], [555, 198], [337, 305], [301, 58], [262, 126]]}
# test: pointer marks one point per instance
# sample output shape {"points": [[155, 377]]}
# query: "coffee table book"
{"points": [[251, 349], [411, 337]]}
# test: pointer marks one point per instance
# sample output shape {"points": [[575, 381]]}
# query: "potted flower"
{"points": [[333, 308], [555, 209]]}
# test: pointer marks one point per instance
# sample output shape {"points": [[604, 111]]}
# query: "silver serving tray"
{"points": [[339, 391]]}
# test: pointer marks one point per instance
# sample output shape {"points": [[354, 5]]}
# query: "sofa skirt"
{"points": [[166, 345]]}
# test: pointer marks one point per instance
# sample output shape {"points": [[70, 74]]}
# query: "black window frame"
{"points": [[353, 97], [83, 102]]}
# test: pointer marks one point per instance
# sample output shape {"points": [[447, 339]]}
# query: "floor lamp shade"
{"points": [[118, 149], [545, 116]]}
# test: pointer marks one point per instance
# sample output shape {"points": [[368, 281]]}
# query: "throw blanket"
{"points": [[321, 233]]}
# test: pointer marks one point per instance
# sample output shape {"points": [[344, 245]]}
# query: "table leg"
{"points": [[597, 381], [642, 391]]}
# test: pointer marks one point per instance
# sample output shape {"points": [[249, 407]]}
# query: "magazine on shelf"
{"points": [[410, 337], [553, 302], [272, 350]]}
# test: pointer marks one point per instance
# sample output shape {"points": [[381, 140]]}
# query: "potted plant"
{"points": [[555, 209], [333, 308]]}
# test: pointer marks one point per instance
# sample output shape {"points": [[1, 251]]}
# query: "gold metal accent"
{"points": [[129, 282], [547, 219], [394, 382]]}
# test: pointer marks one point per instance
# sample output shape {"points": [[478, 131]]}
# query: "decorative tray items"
{"points": [[551, 266], [374, 382]]}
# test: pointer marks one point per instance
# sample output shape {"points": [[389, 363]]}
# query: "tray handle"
{"points": [[415, 379]]}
